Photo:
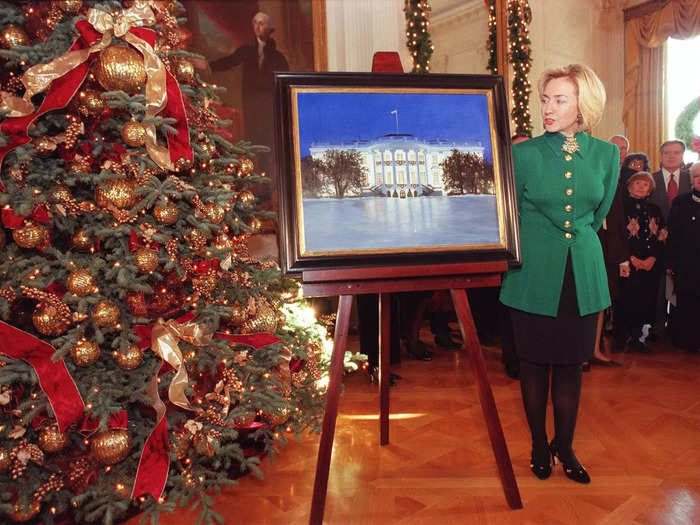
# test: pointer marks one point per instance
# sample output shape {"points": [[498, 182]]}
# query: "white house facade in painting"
{"points": [[401, 165]]}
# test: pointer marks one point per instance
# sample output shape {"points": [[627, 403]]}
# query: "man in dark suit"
{"points": [[671, 180]]}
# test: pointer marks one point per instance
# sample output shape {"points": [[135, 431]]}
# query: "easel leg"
{"points": [[384, 372], [325, 448], [488, 405]]}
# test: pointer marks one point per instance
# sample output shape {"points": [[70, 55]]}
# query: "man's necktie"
{"points": [[672, 189]]}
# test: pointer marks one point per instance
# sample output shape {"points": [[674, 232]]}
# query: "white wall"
{"points": [[562, 32]]}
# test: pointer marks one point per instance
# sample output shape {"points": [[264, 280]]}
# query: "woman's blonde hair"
{"points": [[589, 90]]}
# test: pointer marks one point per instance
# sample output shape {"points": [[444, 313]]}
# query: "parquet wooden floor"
{"points": [[638, 435]]}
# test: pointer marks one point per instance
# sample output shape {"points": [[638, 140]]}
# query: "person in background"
{"points": [[565, 183], [623, 144], [682, 262], [671, 180], [646, 235]]}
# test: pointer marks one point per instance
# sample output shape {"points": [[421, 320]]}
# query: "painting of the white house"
{"points": [[386, 171]]}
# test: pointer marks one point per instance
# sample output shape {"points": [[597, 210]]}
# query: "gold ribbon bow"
{"points": [[39, 77], [164, 342]]}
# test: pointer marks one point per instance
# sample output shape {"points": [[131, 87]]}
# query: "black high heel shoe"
{"points": [[541, 470], [574, 471]]}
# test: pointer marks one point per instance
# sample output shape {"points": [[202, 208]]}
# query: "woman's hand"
{"points": [[625, 269]]}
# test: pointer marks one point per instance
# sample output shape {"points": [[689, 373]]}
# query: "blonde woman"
{"points": [[565, 182]]}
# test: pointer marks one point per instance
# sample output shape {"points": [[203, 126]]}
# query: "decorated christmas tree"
{"points": [[146, 356]]}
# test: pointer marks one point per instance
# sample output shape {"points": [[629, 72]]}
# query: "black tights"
{"points": [[566, 391]]}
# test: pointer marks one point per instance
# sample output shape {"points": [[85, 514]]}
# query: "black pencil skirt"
{"points": [[566, 339]]}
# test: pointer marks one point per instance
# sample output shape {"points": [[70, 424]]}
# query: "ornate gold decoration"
{"points": [[238, 315], [80, 164], [276, 417], [48, 320], [570, 145], [82, 241], [167, 214], [183, 70], [84, 352], [264, 319], [44, 145], [81, 283], [13, 36], [69, 7], [120, 68], [5, 460], [130, 359], [73, 131], [136, 301], [120, 193], [60, 193], [214, 212], [105, 314], [246, 166], [20, 514], [90, 103], [133, 134], [246, 197], [183, 164], [197, 239], [111, 446], [146, 259], [51, 439], [30, 235], [254, 224]]}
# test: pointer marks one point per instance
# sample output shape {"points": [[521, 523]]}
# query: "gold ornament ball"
{"points": [[82, 241], [20, 514], [51, 439], [91, 102], [246, 197], [134, 134], [254, 224], [105, 314], [120, 68], [214, 212], [111, 446], [84, 352], [167, 214], [130, 359], [205, 284], [265, 319], [60, 193], [5, 460], [13, 36], [238, 315], [44, 145], [196, 237], [183, 70], [47, 321], [246, 166], [118, 192], [146, 259], [277, 417], [69, 7], [80, 282]]}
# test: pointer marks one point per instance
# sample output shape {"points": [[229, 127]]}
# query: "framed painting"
{"points": [[393, 169]]}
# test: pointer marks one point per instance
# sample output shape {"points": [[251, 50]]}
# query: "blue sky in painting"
{"points": [[337, 117]]}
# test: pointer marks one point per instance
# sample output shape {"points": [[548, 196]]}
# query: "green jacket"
{"points": [[562, 201]]}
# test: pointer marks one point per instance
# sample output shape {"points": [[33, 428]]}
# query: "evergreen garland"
{"points": [[684, 123], [417, 35], [519, 16]]}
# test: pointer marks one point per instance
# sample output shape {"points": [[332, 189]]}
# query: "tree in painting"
{"points": [[343, 171], [467, 173]]}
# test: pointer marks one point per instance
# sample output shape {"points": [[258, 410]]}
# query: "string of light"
{"points": [[417, 34]]}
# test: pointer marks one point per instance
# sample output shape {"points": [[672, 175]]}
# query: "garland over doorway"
{"points": [[417, 34]]}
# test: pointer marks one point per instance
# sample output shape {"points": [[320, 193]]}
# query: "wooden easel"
{"points": [[384, 281]]}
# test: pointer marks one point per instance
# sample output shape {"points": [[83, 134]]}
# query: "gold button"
{"points": [[568, 174], [568, 207], [569, 191], [567, 224], [568, 235], [568, 158]]}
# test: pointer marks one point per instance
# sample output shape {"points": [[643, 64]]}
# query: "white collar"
{"points": [[667, 175]]}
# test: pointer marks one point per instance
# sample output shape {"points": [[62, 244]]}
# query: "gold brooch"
{"points": [[570, 145]]}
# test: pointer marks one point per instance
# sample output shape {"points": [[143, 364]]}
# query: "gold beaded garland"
{"points": [[133, 133], [80, 282], [47, 321], [111, 446], [182, 164], [120, 68], [130, 359], [214, 212], [30, 235], [167, 214], [118, 192], [51, 439], [13, 36], [84, 352], [146, 259], [105, 314]]}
